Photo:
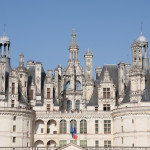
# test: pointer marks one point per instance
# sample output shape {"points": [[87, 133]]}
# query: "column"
{"points": [[68, 126]]}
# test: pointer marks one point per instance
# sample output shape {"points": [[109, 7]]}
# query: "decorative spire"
{"points": [[73, 43], [73, 36], [141, 27]]}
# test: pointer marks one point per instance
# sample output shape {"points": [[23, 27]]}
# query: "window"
{"points": [[134, 59], [83, 143], [63, 126], [83, 127], [107, 126], [12, 103], [132, 120], [20, 75], [48, 130], [122, 140], [78, 104], [14, 128], [69, 105], [106, 93], [96, 108], [73, 141], [48, 93], [41, 130], [122, 128], [106, 107], [25, 84], [107, 143], [14, 139], [14, 119], [13, 88], [31, 94], [96, 143], [48, 107], [73, 123], [96, 126], [62, 143]]}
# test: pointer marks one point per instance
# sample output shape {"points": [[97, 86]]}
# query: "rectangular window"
{"points": [[13, 88], [83, 143], [31, 94], [62, 143], [122, 140], [48, 107], [106, 93], [41, 130], [106, 107], [48, 93], [107, 126], [25, 84], [14, 139], [20, 75], [14, 128], [107, 143], [96, 108], [96, 126], [122, 128], [73, 141], [12, 103], [96, 143], [14, 118]]}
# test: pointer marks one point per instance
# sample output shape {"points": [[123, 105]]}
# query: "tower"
{"points": [[73, 48], [88, 65], [140, 59]]}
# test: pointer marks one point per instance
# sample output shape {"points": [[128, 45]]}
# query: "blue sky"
{"points": [[41, 29]]}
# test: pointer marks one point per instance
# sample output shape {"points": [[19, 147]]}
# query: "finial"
{"points": [[141, 27], [4, 29], [73, 35], [88, 50]]}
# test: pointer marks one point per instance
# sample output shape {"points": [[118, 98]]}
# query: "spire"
{"points": [[141, 27], [73, 36], [73, 44]]}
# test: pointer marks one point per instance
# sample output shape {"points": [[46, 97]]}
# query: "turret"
{"points": [[73, 48], [5, 51]]}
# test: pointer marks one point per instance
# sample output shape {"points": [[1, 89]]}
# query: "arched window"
{"points": [[73, 123], [83, 127], [69, 105], [78, 85], [63, 126], [68, 85], [78, 104]]}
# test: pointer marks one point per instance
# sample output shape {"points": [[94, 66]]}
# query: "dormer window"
{"points": [[106, 93], [20, 75]]}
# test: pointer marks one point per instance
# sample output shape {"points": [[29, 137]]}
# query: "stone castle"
{"points": [[37, 108]]}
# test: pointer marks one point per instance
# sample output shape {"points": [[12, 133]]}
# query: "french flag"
{"points": [[75, 136], [73, 132]]}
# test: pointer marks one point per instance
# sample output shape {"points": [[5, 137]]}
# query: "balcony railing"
{"points": [[85, 148]]}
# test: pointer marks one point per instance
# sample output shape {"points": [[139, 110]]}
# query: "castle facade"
{"points": [[37, 108]]}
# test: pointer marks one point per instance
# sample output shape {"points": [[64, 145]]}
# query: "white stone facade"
{"points": [[38, 108]]}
